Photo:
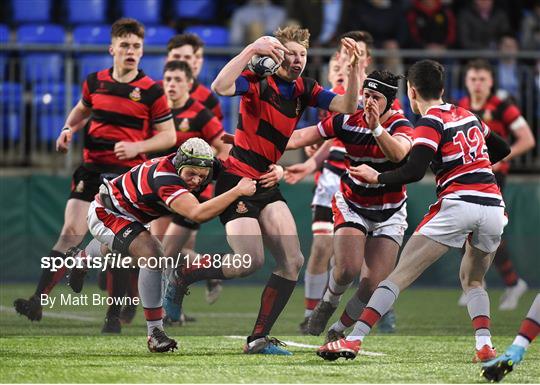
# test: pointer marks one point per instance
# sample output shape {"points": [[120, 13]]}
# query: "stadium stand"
{"points": [[86, 11], [146, 11], [33, 11], [203, 10]]}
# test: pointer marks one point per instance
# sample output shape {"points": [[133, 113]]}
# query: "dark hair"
{"points": [[174, 65], [185, 39], [359, 36], [386, 77], [479, 64], [427, 76], [127, 26]]}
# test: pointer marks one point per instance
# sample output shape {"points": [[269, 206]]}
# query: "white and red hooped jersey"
{"points": [[376, 202], [147, 191], [461, 163]]}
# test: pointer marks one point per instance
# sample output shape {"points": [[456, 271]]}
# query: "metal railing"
{"points": [[39, 84]]}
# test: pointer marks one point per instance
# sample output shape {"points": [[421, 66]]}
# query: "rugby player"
{"points": [[316, 275], [189, 47], [470, 208], [124, 106], [496, 369], [369, 221], [503, 117], [124, 205], [269, 111]]}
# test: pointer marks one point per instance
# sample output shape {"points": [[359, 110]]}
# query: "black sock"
{"points": [[48, 278], [274, 297], [198, 272], [119, 285]]}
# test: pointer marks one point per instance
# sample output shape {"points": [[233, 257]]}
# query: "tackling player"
{"points": [[124, 105], [369, 220], [124, 205], [470, 208], [503, 117], [269, 111]]}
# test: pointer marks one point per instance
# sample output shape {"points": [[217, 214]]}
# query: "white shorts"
{"points": [[393, 228], [114, 230], [327, 186], [451, 222]]}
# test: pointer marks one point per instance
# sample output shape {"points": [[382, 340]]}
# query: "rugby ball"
{"points": [[263, 65]]}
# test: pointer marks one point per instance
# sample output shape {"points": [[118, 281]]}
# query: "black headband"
{"points": [[389, 91]]}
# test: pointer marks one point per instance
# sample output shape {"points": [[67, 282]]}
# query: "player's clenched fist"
{"points": [[246, 187], [63, 141]]}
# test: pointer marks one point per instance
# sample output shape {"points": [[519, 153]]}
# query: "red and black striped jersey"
{"points": [[146, 192], [193, 120], [461, 162], [502, 116], [376, 202], [266, 121], [204, 95], [120, 112]]}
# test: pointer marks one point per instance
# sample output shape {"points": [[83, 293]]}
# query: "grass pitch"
{"points": [[433, 344]]}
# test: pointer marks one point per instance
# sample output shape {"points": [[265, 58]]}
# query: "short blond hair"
{"points": [[293, 33]]}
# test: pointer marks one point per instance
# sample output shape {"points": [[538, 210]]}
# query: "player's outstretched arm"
{"points": [[164, 139], [188, 206], [410, 172], [498, 149], [304, 137], [224, 84], [348, 102], [523, 139], [297, 172], [75, 120]]}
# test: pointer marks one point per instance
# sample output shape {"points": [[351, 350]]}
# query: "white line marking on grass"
{"points": [[224, 315], [59, 315], [307, 346]]}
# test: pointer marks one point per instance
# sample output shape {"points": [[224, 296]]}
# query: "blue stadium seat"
{"points": [[31, 11], [145, 11], [86, 11], [212, 35], [89, 63], [92, 34], [49, 126], [40, 33], [42, 66], [11, 110], [48, 101], [158, 35], [196, 9], [4, 38], [4, 33], [152, 65]]}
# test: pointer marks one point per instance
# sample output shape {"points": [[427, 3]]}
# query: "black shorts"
{"points": [[322, 214], [87, 179], [245, 207]]}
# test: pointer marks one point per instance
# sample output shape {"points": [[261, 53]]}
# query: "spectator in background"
{"points": [[431, 25], [255, 19], [382, 18], [507, 68], [481, 25], [323, 19], [530, 29]]}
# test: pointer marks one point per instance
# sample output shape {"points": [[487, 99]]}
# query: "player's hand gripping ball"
{"points": [[264, 65]]}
